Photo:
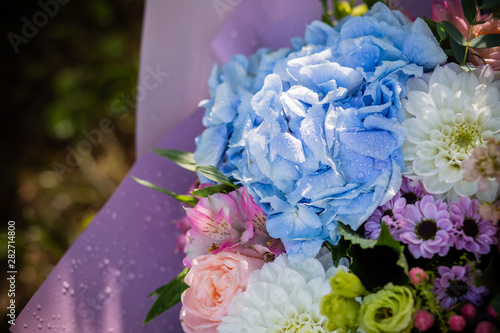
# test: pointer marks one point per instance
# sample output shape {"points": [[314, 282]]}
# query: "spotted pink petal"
{"points": [[207, 226], [254, 213]]}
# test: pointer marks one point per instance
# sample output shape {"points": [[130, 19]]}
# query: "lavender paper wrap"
{"points": [[102, 282]]}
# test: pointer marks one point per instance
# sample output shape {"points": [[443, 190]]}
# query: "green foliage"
{"points": [[490, 4], [376, 262], [441, 31], [190, 200], [338, 251], [207, 191], [470, 10], [457, 45], [485, 41], [495, 303], [454, 33], [490, 276], [168, 296], [181, 158], [214, 174]]}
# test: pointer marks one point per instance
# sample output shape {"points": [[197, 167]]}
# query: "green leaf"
{"points": [[354, 238], [470, 10], [495, 303], [366, 257], [377, 266], [490, 4], [458, 51], [182, 158], [214, 174], [208, 191], [433, 26], [485, 41], [449, 52], [454, 33], [168, 296], [491, 274], [190, 200], [338, 251], [440, 30], [468, 67], [386, 239]]}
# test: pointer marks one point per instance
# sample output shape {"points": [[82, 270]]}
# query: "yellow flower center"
{"points": [[460, 140], [303, 323]]}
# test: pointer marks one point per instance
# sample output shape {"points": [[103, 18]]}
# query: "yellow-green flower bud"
{"points": [[346, 284], [342, 312], [342, 9], [359, 10], [388, 310]]}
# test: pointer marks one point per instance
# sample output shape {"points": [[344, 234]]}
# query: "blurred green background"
{"points": [[61, 82]]}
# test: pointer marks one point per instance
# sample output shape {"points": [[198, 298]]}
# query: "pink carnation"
{"points": [[213, 282]]}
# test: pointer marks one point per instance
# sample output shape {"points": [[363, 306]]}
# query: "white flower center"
{"points": [[462, 140], [303, 323]]}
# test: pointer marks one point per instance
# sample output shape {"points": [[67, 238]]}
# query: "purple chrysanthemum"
{"points": [[456, 284], [389, 213], [426, 228], [474, 234], [411, 191]]}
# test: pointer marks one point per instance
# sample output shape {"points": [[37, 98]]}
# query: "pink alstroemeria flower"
{"points": [[451, 11], [226, 221]]}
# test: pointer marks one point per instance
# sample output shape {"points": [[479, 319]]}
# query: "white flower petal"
{"points": [[274, 305], [424, 167], [434, 186], [457, 112], [441, 95], [443, 75], [450, 173], [491, 192], [465, 188], [415, 134], [426, 150]]}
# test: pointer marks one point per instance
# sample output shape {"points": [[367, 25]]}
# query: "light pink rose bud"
{"points": [[417, 275], [485, 327], [213, 282], [457, 323], [468, 311], [424, 320]]}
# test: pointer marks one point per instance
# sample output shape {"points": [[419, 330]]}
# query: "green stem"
{"points": [[326, 18], [467, 46]]}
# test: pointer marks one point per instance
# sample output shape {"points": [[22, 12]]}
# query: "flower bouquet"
{"points": [[348, 183]]}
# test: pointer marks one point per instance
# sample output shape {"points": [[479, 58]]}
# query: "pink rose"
{"points": [[213, 282]]}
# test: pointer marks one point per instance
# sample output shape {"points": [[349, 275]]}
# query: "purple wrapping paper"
{"points": [[102, 282]]}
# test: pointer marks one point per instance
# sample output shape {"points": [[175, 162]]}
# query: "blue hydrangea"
{"points": [[314, 132]]}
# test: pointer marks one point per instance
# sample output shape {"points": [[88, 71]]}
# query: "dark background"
{"points": [[80, 59]]}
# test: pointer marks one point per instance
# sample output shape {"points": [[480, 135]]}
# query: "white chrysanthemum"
{"points": [[449, 113], [283, 296]]}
